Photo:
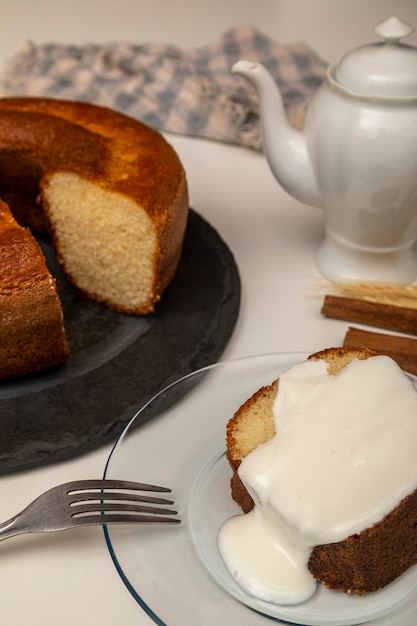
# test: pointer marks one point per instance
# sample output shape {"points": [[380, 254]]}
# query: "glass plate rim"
{"points": [[146, 608]]}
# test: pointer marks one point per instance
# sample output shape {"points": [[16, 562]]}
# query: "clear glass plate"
{"points": [[175, 572]]}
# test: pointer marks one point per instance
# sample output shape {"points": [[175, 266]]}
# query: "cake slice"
{"points": [[364, 561], [32, 334]]}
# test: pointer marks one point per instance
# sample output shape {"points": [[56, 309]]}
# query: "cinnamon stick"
{"points": [[402, 349], [387, 316]]}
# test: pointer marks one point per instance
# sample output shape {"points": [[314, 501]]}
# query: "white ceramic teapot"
{"points": [[356, 158]]}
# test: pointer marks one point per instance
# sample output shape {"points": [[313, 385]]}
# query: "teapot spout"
{"points": [[285, 147]]}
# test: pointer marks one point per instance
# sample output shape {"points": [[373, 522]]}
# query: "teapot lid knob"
{"points": [[393, 29]]}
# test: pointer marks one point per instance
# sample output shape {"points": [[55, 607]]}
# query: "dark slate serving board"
{"points": [[118, 362]]}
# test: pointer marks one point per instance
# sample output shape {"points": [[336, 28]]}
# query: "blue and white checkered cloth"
{"points": [[188, 91]]}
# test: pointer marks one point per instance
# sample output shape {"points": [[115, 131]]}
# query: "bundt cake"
{"points": [[346, 492], [111, 192], [32, 335]]}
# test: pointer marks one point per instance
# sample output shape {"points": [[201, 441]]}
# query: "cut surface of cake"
{"points": [[110, 191], [325, 467], [32, 335]]}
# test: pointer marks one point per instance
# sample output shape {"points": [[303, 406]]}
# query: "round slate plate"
{"points": [[117, 361]]}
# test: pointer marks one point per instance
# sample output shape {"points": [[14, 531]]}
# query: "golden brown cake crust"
{"points": [[97, 143], [40, 137], [361, 563], [32, 335]]}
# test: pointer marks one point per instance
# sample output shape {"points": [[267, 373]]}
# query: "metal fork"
{"points": [[86, 502]]}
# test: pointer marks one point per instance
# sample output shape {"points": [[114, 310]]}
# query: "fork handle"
{"points": [[12, 527]]}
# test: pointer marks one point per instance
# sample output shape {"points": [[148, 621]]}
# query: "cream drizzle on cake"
{"points": [[343, 457]]}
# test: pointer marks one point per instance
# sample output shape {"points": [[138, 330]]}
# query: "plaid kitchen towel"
{"points": [[189, 91]]}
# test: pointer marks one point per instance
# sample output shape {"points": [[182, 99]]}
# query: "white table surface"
{"points": [[69, 578]]}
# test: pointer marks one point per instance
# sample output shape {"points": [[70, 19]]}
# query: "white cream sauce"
{"points": [[344, 456]]}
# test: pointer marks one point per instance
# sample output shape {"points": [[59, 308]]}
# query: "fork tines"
{"points": [[117, 501]]}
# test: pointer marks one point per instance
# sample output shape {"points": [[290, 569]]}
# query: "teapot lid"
{"points": [[387, 68]]}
